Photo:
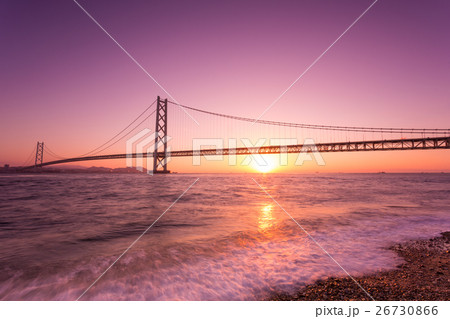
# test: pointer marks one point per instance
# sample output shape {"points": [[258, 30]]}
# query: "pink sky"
{"points": [[65, 82]]}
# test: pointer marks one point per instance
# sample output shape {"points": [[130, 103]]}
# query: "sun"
{"points": [[269, 165]]}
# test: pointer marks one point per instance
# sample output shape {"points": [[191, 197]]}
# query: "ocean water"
{"points": [[225, 239]]}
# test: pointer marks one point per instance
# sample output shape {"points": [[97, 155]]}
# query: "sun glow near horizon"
{"points": [[266, 164]]}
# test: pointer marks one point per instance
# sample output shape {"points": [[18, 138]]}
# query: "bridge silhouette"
{"points": [[429, 139]]}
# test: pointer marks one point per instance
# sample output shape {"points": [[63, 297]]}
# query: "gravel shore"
{"points": [[424, 275]]}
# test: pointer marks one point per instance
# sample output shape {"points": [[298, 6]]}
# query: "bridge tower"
{"points": [[160, 158], [39, 154]]}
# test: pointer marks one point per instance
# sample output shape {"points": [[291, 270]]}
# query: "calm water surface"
{"points": [[224, 240]]}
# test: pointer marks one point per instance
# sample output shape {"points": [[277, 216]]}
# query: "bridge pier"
{"points": [[160, 158]]}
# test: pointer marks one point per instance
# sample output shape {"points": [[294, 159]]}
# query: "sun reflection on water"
{"points": [[266, 220]]}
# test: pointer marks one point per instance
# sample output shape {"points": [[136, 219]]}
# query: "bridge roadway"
{"points": [[377, 145]]}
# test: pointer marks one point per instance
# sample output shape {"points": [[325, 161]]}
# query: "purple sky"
{"points": [[65, 82]]}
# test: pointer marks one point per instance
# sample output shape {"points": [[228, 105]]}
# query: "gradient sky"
{"points": [[65, 82]]}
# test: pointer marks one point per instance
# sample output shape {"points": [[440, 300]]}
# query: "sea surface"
{"points": [[224, 239]]}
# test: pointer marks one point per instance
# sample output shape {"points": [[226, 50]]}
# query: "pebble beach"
{"points": [[424, 275]]}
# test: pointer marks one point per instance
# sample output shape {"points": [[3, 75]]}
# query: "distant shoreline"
{"points": [[71, 170], [133, 170], [424, 275]]}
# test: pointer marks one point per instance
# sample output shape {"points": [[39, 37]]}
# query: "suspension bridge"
{"points": [[163, 146]]}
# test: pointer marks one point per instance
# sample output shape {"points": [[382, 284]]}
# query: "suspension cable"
{"points": [[48, 150], [94, 150], [103, 147], [129, 132], [323, 127], [29, 156]]}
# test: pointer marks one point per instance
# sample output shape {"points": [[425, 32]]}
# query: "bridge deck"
{"points": [[378, 145]]}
